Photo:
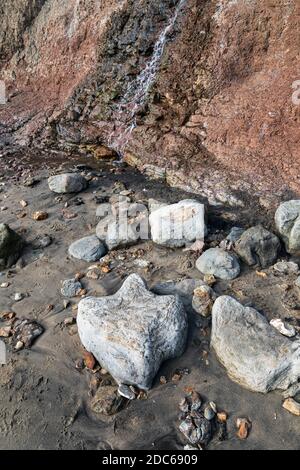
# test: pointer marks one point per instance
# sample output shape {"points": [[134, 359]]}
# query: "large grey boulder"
{"points": [[88, 249], [258, 246], [178, 224], [220, 263], [67, 183], [11, 245], [287, 220], [133, 331], [254, 354]]}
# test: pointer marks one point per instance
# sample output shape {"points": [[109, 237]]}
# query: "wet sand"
{"points": [[45, 402]]}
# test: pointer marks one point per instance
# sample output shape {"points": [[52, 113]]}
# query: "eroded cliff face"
{"points": [[219, 115]]}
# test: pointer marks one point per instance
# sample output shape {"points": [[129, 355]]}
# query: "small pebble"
{"points": [[18, 296], [126, 392]]}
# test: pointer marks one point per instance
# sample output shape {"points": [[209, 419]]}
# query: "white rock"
{"points": [[178, 224], [283, 328], [133, 331], [254, 354]]}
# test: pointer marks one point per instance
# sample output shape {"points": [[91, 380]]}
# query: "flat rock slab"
{"points": [[133, 331], [67, 183], [254, 354], [89, 249], [287, 220], [219, 263], [258, 246], [178, 224]]}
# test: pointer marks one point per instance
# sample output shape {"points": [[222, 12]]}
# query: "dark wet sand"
{"points": [[44, 398]]}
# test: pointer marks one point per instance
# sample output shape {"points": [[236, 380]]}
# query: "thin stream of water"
{"points": [[137, 93]]}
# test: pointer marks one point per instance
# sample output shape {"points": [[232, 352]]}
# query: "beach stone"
{"points": [[71, 288], [219, 263], [178, 224], [254, 353], [41, 241], [203, 300], [126, 392], [11, 245], [258, 246], [67, 183], [88, 249], [287, 220], [184, 288], [233, 236], [133, 331]]}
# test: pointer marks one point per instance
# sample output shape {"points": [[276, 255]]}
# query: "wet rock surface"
{"points": [[253, 353], [132, 332]]}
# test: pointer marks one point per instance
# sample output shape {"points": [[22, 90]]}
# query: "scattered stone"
{"points": [[73, 330], [19, 346], [107, 401], [67, 183], [41, 241], [189, 447], [258, 246], [203, 300], [163, 380], [287, 222], [18, 297], [219, 263], [209, 413], [88, 249], [126, 392], [253, 352], [197, 247], [283, 328], [71, 288], [209, 279], [178, 224], [66, 304], [69, 321], [119, 331], [11, 245], [233, 236], [40, 215], [24, 203], [244, 426], [286, 267], [4, 285], [30, 182], [222, 416], [5, 331], [25, 331], [292, 406], [89, 360]]}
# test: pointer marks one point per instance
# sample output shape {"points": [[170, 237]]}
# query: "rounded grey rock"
{"points": [[67, 183], [219, 263], [88, 249], [71, 288]]}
